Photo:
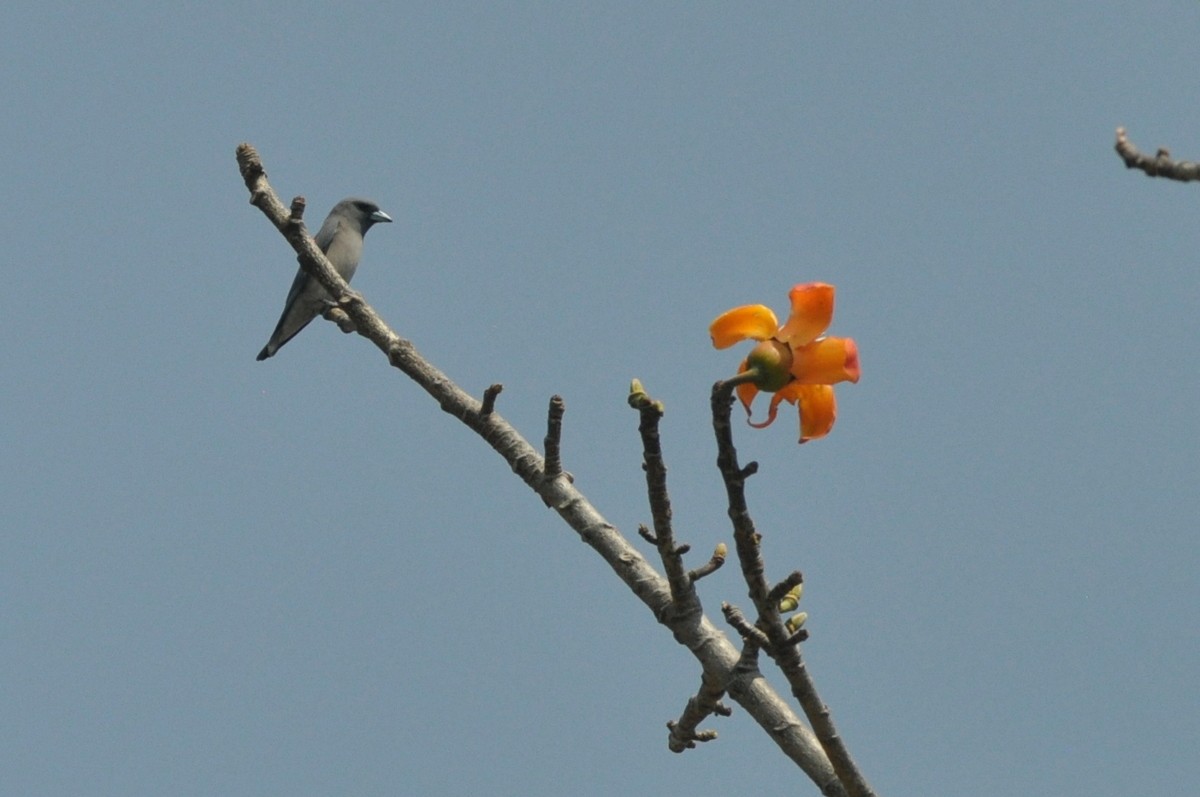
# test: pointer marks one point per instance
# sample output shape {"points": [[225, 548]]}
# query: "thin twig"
{"points": [[650, 412], [712, 565], [750, 634], [553, 442]]}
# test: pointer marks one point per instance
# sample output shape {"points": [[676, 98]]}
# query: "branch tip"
{"points": [[712, 565], [796, 638], [640, 400], [489, 399], [297, 210], [249, 163], [790, 582]]}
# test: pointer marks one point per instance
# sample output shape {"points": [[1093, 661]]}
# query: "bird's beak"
{"points": [[379, 215]]}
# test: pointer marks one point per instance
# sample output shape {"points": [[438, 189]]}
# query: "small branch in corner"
{"points": [[1158, 165]]}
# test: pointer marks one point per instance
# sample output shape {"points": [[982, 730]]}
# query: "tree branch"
{"points": [[780, 642], [683, 591], [716, 654], [1158, 165], [684, 734]]}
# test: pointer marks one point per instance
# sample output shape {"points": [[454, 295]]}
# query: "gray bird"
{"points": [[341, 239]]}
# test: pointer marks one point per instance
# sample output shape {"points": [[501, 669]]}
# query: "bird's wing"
{"points": [[298, 286], [328, 230], [323, 239]]}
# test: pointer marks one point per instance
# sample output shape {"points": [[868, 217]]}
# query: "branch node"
{"points": [[646, 534], [489, 399], [747, 662]]}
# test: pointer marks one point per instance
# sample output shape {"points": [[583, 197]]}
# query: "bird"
{"points": [[341, 239]]}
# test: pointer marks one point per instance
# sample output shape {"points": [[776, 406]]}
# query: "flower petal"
{"points": [[746, 394], [826, 361], [753, 321], [812, 311], [771, 412], [818, 411]]}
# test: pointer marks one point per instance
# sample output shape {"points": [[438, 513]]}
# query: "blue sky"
{"points": [[219, 576]]}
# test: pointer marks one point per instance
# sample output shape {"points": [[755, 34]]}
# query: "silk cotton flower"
{"points": [[796, 361]]}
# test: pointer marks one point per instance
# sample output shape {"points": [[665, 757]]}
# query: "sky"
{"points": [[226, 577]]}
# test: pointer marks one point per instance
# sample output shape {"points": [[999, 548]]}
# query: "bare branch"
{"points": [[684, 734], [712, 649], [261, 194], [712, 565], [683, 594], [1158, 165], [769, 632], [553, 440], [746, 539], [684, 598]]}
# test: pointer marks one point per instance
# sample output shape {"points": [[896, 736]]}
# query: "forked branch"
{"points": [[724, 668]]}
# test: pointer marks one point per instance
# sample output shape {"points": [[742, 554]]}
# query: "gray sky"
{"points": [[219, 576]]}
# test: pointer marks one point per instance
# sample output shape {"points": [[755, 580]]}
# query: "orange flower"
{"points": [[794, 361]]}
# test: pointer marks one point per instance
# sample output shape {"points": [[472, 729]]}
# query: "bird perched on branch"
{"points": [[341, 239]]}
